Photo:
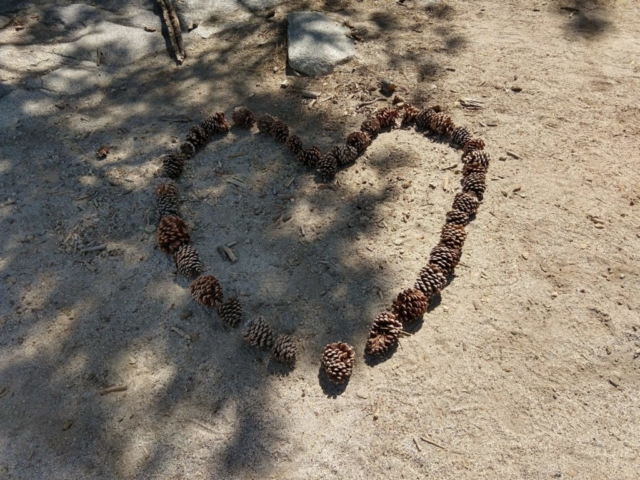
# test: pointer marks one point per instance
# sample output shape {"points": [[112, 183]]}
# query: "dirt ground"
{"points": [[528, 366]]}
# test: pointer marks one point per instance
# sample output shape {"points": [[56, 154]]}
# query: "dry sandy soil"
{"points": [[527, 367]]}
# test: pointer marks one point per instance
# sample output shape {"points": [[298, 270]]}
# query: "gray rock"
{"points": [[75, 79], [317, 44], [119, 44], [199, 11], [20, 105], [4, 21]]}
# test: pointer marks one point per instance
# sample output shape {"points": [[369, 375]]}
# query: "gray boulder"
{"points": [[317, 44]]}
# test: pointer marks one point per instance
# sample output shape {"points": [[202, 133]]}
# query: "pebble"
{"points": [[525, 255], [362, 395], [554, 294], [150, 229]]}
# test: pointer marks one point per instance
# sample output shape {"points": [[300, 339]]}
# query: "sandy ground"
{"points": [[529, 365]]}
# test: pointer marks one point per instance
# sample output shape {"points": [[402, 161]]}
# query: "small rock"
{"points": [[516, 89], [502, 158], [398, 241], [67, 425], [525, 255], [186, 314], [554, 294], [149, 229], [362, 395], [317, 44]]}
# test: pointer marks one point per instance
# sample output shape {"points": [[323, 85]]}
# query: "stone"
{"points": [[20, 105], [317, 44], [74, 79], [201, 11]]}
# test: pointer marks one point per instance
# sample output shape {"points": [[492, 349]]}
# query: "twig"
{"points": [[97, 248], [115, 388], [181, 332], [376, 411], [173, 27], [417, 444], [364, 104], [514, 155], [226, 251], [432, 443]]}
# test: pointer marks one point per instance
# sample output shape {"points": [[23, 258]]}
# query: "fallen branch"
{"points": [[364, 104], [173, 28], [115, 388]]}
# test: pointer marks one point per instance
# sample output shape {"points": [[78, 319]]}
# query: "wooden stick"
{"points": [[173, 27], [115, 388], [364, 104], [432, 443]]}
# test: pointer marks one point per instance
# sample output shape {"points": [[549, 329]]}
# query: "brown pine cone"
{"points": [[294, 144], [387, 117], [172, 165], [167, 199], [473, 144], [442, 124], [384, 334], [453, 236], [230, 312], [280, 131], [187, 149], [457, 217], [345, 155], [207, 291], [284, 350], [188, 261], [474, 183], [310, 157], [423, 118], [478, 157], [216, 123], [258, 333], [371, 126], [465, 202], [264, 123], [409, 115], [445, 258], [243, 117], [358, 140], [410, 305], [460, 136], [327, 167], [172, 234], [197, 136], [431, 280], [337, 361], [470, 168]]}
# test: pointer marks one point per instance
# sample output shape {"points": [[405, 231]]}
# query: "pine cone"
{"points": [[207, 291], [410, 305], [337, 361], [294, 144], [470, 168], [216, 123], [474, 183], [409, 115], [384, 334], [327, 167], [465, 202], [197, 136], [460, 136], [188, 261], [258, 333], [344, 154], [172, 234], [387, 117], [264, 123], [430, 281], [371, 126], [423, 118], [243, 117], [230, 312], [478, 157], [474, 144], [458, 217], [310, 157], [187, 149], [445, 258], [442, 124], [358, 140], [284, 351], [280, 131], [167, 199], [172, 165], [453, 236]]}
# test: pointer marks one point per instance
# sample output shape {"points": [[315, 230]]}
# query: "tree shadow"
{"points": [[587, 18]]}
